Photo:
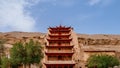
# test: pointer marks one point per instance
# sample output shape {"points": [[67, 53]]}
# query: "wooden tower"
{"points": [[59, 49]]}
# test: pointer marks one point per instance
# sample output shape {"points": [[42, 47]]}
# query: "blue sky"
{"points": [[85, 16]]}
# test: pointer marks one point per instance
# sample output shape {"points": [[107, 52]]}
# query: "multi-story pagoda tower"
{"points": [[59, 49]]}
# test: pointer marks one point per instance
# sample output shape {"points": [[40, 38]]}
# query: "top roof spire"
{"points": [[60, 27]]}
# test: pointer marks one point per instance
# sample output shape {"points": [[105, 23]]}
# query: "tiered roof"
{"points": [[59, 34], [60, 28]]}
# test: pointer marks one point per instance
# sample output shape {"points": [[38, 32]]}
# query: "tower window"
{"points": [[59, 48], [59, 57], [59, 43], [59, 38]]}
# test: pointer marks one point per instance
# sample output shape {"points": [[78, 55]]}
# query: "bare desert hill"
{"points": [[99, 36], [17, 34], [84, 44], [12, 37], [21, 34], [87, 39]]}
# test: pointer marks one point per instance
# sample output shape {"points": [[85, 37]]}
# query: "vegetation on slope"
{"points": [[23, 54], [102, 61]]}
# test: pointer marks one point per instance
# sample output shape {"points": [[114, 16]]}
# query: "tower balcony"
{"points": [[59, 35], [59, 46], [59, 39], [60, 62], [59, 53]]}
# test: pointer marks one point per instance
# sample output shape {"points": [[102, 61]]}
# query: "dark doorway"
{"points": [[59, 57]]}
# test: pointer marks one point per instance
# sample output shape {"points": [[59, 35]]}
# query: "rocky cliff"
{"points": [[12, 37], [85, 39], [84, 44]]}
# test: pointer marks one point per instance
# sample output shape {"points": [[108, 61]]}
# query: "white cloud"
{"points": [[65, 3], [14, 16], [93, 2], [100, 2]]}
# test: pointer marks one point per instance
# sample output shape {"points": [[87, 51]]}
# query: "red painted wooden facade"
{"points": [[59, 49]]}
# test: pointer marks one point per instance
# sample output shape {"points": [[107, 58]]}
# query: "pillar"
{"points": [[68, 66]]}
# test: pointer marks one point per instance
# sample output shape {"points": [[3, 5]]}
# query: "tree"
{"points": [[34, 52], [17, 54], [2, 41], [102, 61], [26, 54], [1, 47], [37, 53], [5, 62]]}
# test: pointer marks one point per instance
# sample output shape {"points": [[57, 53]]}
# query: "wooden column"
{"points": [[68, 66], [56, 66], [50, 66], [63, 66]]}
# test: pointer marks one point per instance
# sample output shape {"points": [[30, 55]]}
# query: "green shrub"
{"points": [[102, 61]]}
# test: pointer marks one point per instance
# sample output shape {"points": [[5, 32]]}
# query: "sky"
{"points": [[85, 16]]}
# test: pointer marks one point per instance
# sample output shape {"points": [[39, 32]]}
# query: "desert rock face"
{"points": [[98, 44], [84, 44], [12, 37], [99, 39]]}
